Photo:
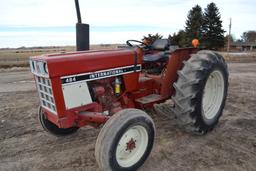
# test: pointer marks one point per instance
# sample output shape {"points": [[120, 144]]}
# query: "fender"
{"points": [[175, 63]]}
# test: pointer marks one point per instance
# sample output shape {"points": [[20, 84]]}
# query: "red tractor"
{"points": [[113, 87]]}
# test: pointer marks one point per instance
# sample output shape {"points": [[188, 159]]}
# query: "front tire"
{"points": [[201, 91], [125, 141], [52, 128]]}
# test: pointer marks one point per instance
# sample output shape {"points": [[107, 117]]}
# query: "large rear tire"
{"points": [[201, 91], [125, 141], [52, 128]]}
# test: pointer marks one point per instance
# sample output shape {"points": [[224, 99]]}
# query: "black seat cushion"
{"points": [[160, 44], [157, 57]]}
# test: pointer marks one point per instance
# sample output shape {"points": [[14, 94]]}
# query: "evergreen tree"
{"points": [[193, 26], [152, 37], [178, 39], [213, 34]]}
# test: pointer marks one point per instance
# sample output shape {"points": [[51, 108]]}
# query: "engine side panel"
{"points": [[76, 95]]}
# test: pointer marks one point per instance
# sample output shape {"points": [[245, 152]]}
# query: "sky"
{"points": [[52, 22]]}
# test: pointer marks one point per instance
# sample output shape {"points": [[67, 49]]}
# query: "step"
{"points": [[149, 99]]}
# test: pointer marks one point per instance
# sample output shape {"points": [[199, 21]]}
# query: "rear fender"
{"points": [[175, 63]]}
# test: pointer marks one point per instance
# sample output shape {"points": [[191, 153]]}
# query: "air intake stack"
{"points": [[82, 32]]}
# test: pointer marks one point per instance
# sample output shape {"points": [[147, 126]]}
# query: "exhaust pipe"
{"points": [[82, 32]]}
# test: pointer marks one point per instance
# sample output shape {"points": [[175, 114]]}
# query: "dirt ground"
{"points": [[231, 146]]}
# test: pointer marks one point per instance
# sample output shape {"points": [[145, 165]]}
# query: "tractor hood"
{"points": [[64, 64]]}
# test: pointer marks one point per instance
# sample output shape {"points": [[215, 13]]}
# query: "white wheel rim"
{"points": [[213, 94], [128, 155]]}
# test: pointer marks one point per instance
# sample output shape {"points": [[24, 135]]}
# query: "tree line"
{"points": [[248, 36], [206, 26]]}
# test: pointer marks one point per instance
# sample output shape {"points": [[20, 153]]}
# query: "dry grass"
{"points": [[240, 56], [19, 57]]}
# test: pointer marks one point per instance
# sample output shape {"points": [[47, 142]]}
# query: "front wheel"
{"points": [[52, 128], [125, 141]]}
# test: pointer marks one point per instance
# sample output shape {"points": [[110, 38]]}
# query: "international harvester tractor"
{"points": [[110, 89]]}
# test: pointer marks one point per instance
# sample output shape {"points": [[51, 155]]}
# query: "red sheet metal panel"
{"points": [[87, 61]]}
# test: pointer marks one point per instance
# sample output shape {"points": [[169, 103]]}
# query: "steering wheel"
{"points": [[144, 45]]}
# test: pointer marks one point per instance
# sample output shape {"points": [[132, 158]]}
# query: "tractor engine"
{"points": [[155, 68], [82, 88], [106, 92]]}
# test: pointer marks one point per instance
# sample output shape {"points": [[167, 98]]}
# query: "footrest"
{"points": [[149, 99]]}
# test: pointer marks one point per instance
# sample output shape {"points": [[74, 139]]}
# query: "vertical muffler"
{"points": [[82, 32]]}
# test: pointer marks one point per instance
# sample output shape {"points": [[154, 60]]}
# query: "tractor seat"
{"points": [[157, 57], [161, 45]]}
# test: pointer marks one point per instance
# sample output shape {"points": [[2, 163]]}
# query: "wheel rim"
{"points": [[213, 94], [132, 146]]}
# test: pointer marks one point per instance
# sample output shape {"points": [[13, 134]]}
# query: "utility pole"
{"points": [[229, 34]]}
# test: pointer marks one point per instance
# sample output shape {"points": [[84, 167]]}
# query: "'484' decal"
{"points": [[70, 80]]}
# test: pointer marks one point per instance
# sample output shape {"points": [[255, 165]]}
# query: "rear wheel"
{"points": [[52, 128], [125, 141], [201, 91]]}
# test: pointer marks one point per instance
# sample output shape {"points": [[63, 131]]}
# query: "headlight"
{"points": [[39, 67], [45, 68]]}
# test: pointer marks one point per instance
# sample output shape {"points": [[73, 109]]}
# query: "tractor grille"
{"points": [[45, 93]]}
